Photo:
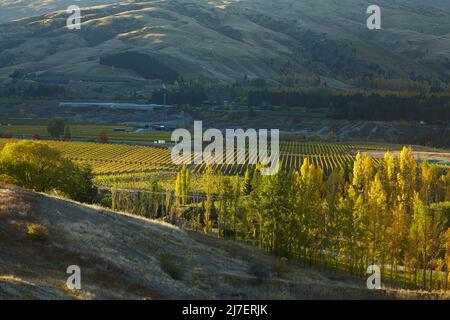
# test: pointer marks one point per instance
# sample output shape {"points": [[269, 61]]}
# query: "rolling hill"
{"points": [[225, 40]]}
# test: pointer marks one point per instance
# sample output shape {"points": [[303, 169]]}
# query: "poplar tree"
{"points": [[225, 194], [349, 230], [428, 182], [445, 185], [388, 170], [446, 239], [406, 178], [209, 204], [178, 189], [182, 186], [419, 235], [246, 184], [67, 134], [397, 233], [308, 184]]}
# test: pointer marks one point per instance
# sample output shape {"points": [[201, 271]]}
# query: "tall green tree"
{"points": [[55, 127], [67, 133], [209, 181], [406, 178], [247, 183], [183, 186], [36, 166]]}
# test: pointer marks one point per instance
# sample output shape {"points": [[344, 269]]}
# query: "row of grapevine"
{"points": [[114, 153], [287, 162], [291, 147], [121, 158], [102, 167]]}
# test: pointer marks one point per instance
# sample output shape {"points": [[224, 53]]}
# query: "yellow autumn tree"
{"points": [[406, 177], [429, 175], [388, 170]]}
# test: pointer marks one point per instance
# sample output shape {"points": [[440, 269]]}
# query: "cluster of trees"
{"points": [[396, 214], [27, 89], [182, 185], [102, 137], [437, 138], [57, 129], [359, 106], [401, 85], [34, 165], [386, 100], [6, 135], [183, 95], [143, 64]]}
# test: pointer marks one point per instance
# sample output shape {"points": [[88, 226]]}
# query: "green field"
{"points": [[87, 132]]}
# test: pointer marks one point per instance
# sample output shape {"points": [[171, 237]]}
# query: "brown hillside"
{"points": [[119, 256]]}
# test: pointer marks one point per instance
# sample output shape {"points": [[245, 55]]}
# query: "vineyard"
{"points": [[117, 159], [107, 159], [114, 159], [292, 154]]}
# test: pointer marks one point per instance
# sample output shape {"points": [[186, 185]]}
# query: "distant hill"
{"points": [[18, 9], [228, 40]]}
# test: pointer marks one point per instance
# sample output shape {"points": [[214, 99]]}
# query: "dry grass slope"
{"points": [[227, 39], [128, 257]]}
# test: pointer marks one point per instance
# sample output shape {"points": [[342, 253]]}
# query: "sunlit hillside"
{"points": [[228, 40]]}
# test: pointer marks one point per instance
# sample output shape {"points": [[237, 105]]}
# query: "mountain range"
{"points": [[224, 40]]}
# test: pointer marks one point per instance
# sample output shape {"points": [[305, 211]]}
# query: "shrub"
{"points": [[281, 266], [260, 272], [106, 201], [36, 166], [331, 136], [102, 137], [55, 127], [37, 232], [170, 266], [67, 134], [36, 136]]}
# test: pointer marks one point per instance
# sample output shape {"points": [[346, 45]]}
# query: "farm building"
{"points": [[110, 105]]}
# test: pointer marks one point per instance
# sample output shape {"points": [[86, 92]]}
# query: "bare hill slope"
{"points": [[227, 40]]}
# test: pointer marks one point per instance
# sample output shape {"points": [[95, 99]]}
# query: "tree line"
{"points": [[32, 90], [395, 215], [359, 106]]}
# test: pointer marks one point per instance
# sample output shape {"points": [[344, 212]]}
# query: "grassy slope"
{"points": [[119, 258]]}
